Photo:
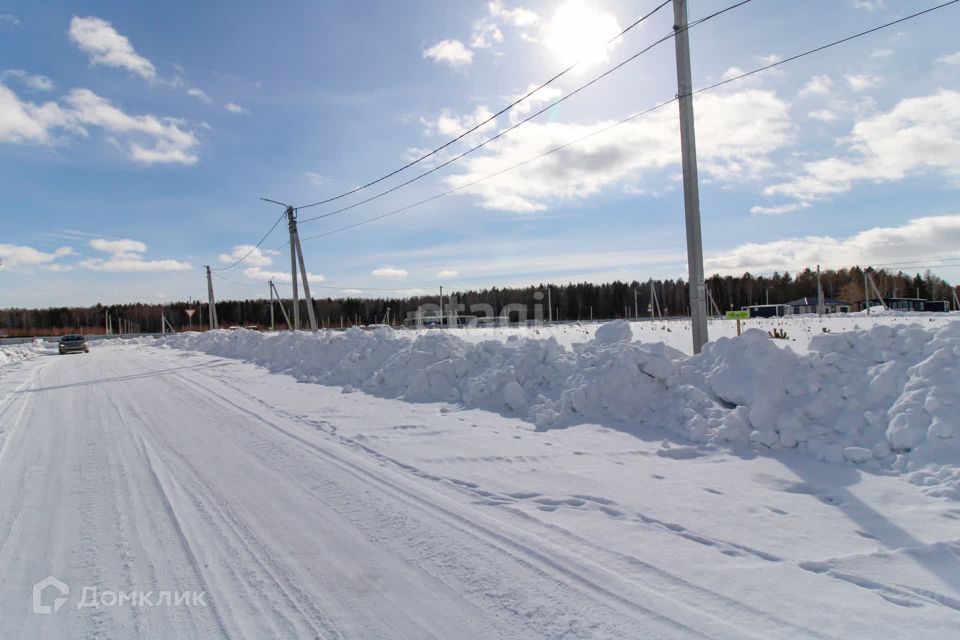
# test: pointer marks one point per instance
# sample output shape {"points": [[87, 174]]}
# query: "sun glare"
{"points": [[580, 31]]}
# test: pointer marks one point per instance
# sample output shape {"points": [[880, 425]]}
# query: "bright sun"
{"points": [[579, 31]]}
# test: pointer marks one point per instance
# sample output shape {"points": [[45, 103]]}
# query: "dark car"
{"points": [[73, 344]]}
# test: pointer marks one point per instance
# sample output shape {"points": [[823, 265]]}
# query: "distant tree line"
{"points": [[573, 301]]}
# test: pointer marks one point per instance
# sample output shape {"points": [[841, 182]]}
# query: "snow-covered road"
{"points": [[297, 511]]}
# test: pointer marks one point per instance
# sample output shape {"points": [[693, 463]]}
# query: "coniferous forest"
{"points": [[572, 301]]}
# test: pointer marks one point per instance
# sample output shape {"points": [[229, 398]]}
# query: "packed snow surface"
{"points": [[885, 398], [131, 474]]}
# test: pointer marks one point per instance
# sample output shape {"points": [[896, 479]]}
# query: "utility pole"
{"points": [[283, 310], [272, 325], [293, 272], [295, 245], [549, 305], [819, 294], [210, 300], [691, 192], [636, 309], [441, 307], [866, 296]]}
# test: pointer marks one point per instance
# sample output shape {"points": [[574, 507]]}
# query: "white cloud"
{"points": [[147, 139], [390, 272], [235, 108], [869, 5], [881, 53], [256, 258], [118, 247], [485, 34], [732, 73], [450, 52], [448, 273], [199, 94], [862, 81], [517, 16], [581, 32], [543, 96], [736, 134], [10, 19], [12, 256], [35, 82], [918, 135], [780, 209], [26, 122], [99, 40], [918, 238], [126, 257], [824, 115], [952, 58], [449, 125], [817, 85], [486, 31]]}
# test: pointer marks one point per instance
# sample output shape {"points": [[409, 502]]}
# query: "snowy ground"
{"points": [[676, 332], [313, 510]]}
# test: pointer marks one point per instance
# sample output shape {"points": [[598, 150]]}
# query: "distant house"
{"points": [[911, 304], [809, 305], [940, 306], [768, 310]]}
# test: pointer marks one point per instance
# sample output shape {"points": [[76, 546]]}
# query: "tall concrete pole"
{"points": [[691, 191], [311, 314], [276, 294], [819, 294], [292, 224], [272, 325], [210, 300]]}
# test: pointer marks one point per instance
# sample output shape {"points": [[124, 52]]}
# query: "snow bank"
{"points": [[884, 398], [10, 354]]}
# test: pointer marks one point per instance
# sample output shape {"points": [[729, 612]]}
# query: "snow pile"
{"points": [[10, 354], [886, 398]]}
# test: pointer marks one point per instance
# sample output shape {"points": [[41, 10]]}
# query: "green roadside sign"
{"points": [[738, 315]]}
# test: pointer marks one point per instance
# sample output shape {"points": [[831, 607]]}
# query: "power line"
{"points": [[632, 117], [826, 46], [492, 175], [525, 120], [255, 247], [488, 120], [242, 284]]}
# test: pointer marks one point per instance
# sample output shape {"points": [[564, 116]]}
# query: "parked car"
{"points": [[73, 344]]}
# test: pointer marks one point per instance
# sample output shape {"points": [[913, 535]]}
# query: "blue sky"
{"points": [[135, 139]]}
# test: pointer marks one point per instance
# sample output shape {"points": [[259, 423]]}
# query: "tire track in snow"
{"points": [[722, 604], [233, 533], [554, 564]]}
